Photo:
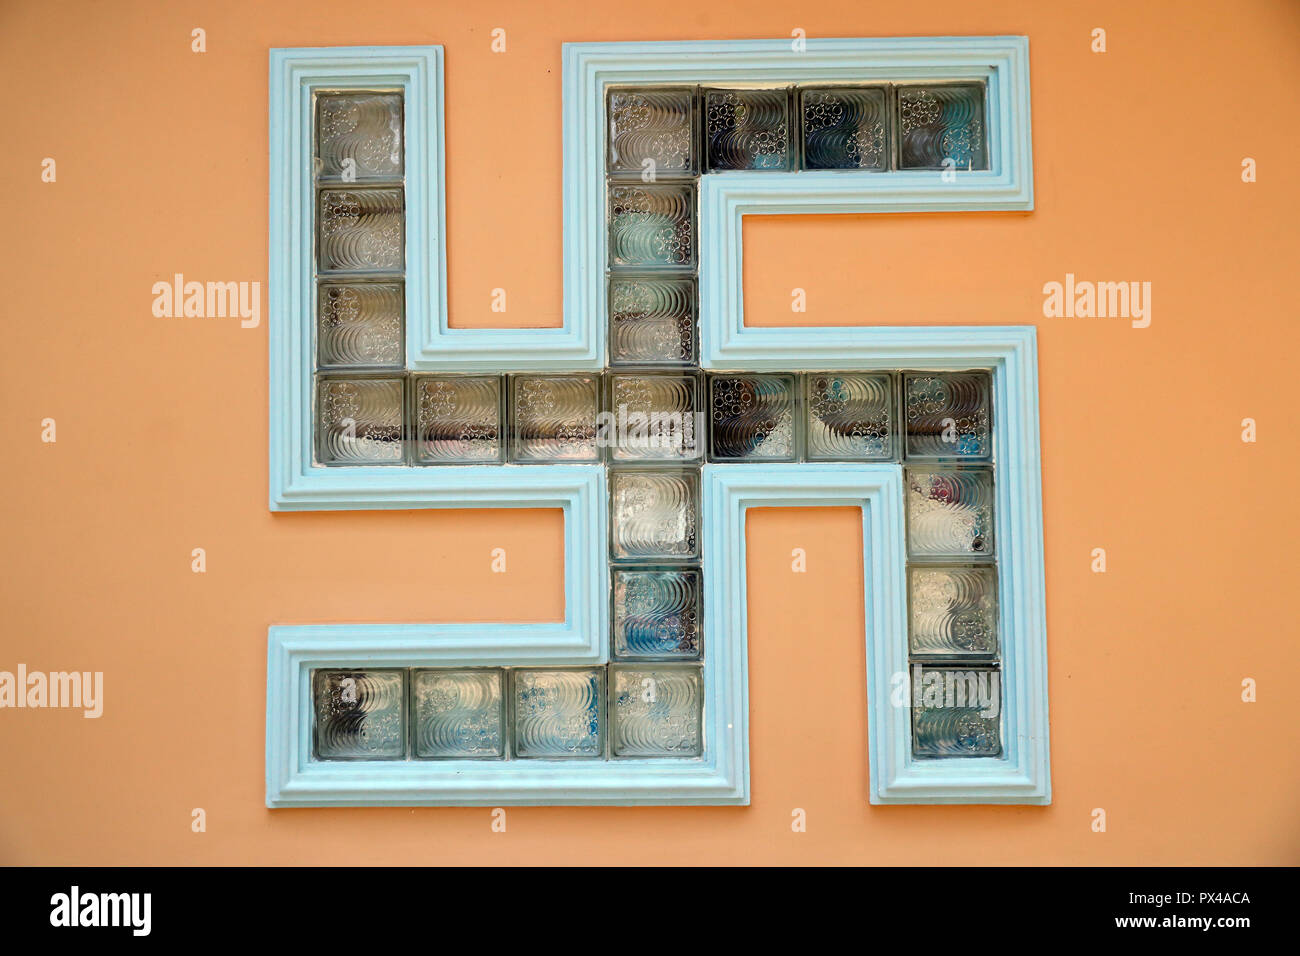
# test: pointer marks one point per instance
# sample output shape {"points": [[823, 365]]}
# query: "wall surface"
{"points": [[161, 435]]}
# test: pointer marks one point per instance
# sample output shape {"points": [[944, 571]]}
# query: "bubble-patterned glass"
{"points": [[942, 122], [652, 226], [747, 129], [654, 417], [359, 324], [457, 419], [458, 713], [559, 713], [752, 418], [651, 132], [656, 711], [956, 713], [845, 127], [953, 612], [359, 714], [654, 515], [651, 320], [554, 418], [359, 136], [361, 230], [850, 416], [950, 513], [947, 415], [657, 613], [358, 420]]}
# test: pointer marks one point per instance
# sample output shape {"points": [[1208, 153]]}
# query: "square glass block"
{"points": [[559, 713], [654, 418], [652, 226], [946, 415], [359, 136], [654, 515], [651, 132], [956, 713], [752, 418], [943, 122], [358, 420], [360, 714], [360, 230], [359, 324], [457, 419], [657, 613], [554, 418], [651, 320], [458, 713], [747, 129], [850, 416], [953, 612], [845, 127], [655, 711], [950, 513]]}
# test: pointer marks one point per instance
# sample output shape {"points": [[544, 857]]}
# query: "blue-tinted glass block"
{"points": [[948, 415], [657, 613], [559, 713], [657, 711], [747, 129], [957, 713], [458, 713], [850, 416]]}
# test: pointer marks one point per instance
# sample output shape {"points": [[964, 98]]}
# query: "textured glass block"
{"points": [[747, 129], [458, 713], [947, 415], [652, 226], [359, 324], [654, 418], [359, 136], [657, 613], [360, 230], [651, 132], [653, 514], [360, 714], [554, 418], [845, 127], [656, 711], [559, 713], [752, 417], [358, 420], [954, 612], [957, 713], [651, 320], [850, 416], [942, 122], [457, 419], [949, 513]]}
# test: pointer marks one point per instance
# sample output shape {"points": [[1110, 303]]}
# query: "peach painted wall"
{"points": [[161, 427]]}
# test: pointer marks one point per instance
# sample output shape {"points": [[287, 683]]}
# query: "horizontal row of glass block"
{"points": [[508, 713], [666, 417], [666, 132], [956, 712]]}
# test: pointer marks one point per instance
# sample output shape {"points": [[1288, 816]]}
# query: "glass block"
{"points": [[656, 711], [657, 613], [845, 127], [359, 136], [654, 418], [651, 132], [554, 418], [359, 324], [651, 320], [942, 122], [752, 418], [458, 713], [947, 415], [361, 230], [358, 420], [953, 612], [360, 714], [957, 713], [850, 416], [747, 129], [558, 713], [457, 419], [652, 226], [950, 513], [654, 515]]}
